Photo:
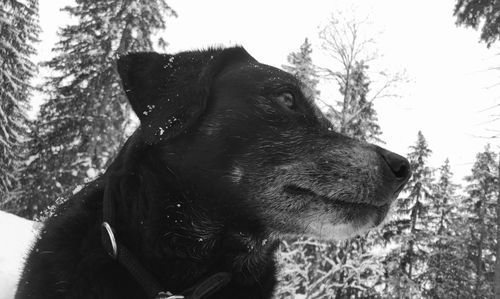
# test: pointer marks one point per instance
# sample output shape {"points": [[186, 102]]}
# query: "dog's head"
{"points": [[249, 137]]}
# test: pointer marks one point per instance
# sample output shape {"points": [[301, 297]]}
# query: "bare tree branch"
{"points": [[342, 40]]}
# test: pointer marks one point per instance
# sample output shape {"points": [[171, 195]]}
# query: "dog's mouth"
{"points": [[296, 190], [354, 211]]}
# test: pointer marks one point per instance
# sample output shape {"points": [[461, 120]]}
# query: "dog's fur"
{"points": [[230, 155]]}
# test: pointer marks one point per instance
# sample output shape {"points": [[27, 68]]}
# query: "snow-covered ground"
{"points": [[17, 235]]}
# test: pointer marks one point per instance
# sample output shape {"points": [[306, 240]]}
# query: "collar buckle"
{"points": [[168, 295], [108, 240]]}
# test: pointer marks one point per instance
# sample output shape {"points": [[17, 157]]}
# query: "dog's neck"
{"points": [[182, 240]]}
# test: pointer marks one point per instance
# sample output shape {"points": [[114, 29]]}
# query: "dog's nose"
{"points": [[399, 165]]}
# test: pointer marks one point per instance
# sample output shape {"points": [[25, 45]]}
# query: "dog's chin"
{"points": [[331, 219], [347, 220], [337, 232]]}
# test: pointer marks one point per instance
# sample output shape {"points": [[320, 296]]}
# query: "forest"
{"points": [[441, 241]]}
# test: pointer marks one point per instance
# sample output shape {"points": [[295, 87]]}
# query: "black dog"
{"points": [[231, 154]]}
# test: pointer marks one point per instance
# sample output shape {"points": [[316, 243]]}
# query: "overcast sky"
{"points": [[450, 81]]}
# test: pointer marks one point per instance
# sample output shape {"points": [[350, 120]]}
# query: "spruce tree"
{"points": [[480, 13], [484, 14], [85, 119], [19, 31], [409, 229], [482, 191], [358, 118], [443, 272], [345, 41], [301, 66]]}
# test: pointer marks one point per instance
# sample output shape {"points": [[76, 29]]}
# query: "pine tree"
{"points": [[18, 32], [358, 118], [351, 53], [480, 13], [84, 122], [496, 282], [327, 270], [302, 67], [443, 271], [449, 263], [409, 228], [484, 14], [481, 200]]}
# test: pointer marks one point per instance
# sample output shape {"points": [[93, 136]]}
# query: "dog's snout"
{"points": [[399, 165]]}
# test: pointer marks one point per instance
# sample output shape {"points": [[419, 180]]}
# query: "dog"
{"points": [[230, 156]]}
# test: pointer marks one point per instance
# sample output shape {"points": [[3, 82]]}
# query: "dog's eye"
{"points": [[287, 99]]}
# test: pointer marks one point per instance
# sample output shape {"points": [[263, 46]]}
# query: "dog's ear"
{"points": [[169, 92]]}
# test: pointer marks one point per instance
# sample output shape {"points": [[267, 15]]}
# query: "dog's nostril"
{"points": [[402, 172], [399, 165]]}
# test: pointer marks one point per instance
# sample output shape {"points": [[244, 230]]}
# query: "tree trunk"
{"points": [[347, 100], [497, 264], [479, 258]]}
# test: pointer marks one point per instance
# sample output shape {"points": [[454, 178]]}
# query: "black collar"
{"points": [[120, 253]]}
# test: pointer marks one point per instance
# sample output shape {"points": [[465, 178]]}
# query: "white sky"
{"points": [[450, 81]]}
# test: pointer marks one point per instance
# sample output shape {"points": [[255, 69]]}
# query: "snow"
{"points": [[17, 235]]}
